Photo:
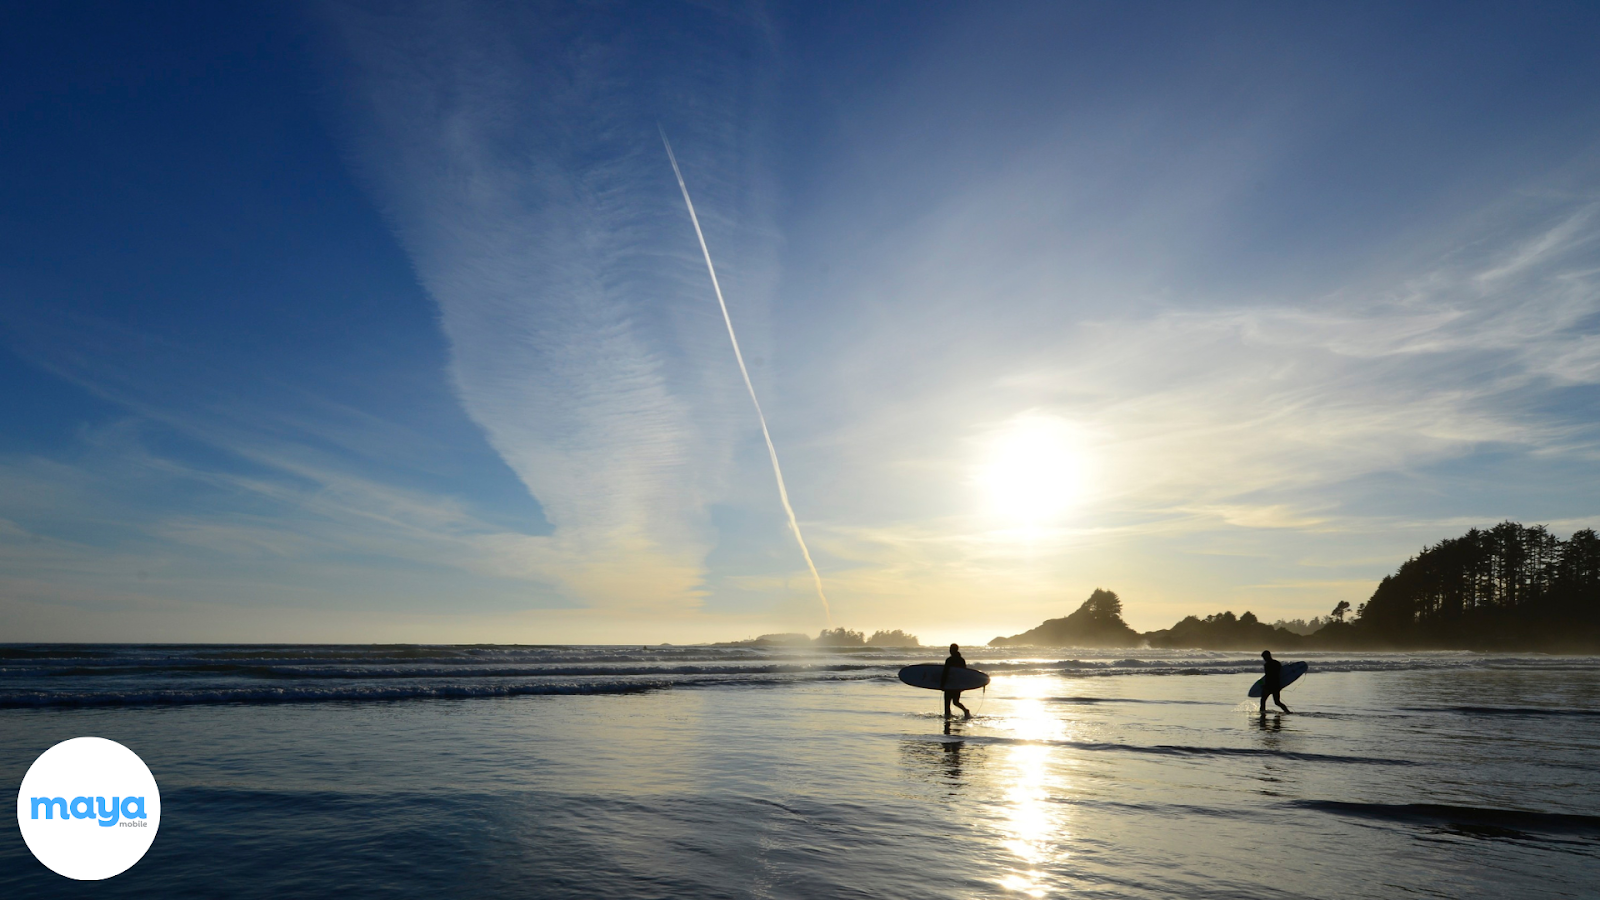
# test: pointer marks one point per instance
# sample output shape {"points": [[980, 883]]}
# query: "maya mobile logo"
{"points": [[88, 808]]}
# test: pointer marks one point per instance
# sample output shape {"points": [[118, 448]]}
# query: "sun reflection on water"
{"points": [[1031, 716], [1036, 827]]}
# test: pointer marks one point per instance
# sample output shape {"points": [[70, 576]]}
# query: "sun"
{"points": [[1032, 472]]}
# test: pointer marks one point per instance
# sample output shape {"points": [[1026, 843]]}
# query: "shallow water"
{"points": [[693, 772]]}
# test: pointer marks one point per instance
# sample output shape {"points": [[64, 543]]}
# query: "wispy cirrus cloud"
{"points": [[515, 156]]}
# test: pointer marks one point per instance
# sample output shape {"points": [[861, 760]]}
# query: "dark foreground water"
{"points": [[698, 773]]}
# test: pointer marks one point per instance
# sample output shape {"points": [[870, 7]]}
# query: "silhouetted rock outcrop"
{"points": [[837, 638], [1097, 623], [1224, 631]]}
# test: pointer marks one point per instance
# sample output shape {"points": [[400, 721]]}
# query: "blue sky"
{"points": [[360, 321]]}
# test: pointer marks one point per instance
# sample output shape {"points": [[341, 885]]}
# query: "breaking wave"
{"points": [[100, 675]]}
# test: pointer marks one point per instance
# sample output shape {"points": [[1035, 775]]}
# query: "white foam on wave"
{"points": [[100, 675]]}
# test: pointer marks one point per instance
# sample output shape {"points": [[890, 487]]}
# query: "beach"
{"points": [[704, 772]]}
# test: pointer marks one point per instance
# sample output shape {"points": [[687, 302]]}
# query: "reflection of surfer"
{"points": [[956, 661], [1271, 682], [952, 758]]}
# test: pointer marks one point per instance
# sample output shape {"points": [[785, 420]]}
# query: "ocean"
{"points": [[696, 772]]}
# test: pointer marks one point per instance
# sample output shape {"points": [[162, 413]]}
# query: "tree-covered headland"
{"points": [[1509, 587], [1097, 623]]}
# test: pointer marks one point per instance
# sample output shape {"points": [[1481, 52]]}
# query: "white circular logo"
{"points": [[88, 808]]}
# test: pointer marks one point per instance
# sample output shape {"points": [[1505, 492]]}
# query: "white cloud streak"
{"points": [[509, 158], [744, 372]]}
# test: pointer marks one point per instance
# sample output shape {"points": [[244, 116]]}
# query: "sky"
{"points": [[387, 322]]}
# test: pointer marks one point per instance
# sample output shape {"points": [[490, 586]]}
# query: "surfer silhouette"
{"points": [[1271, 682], [955, 661]]}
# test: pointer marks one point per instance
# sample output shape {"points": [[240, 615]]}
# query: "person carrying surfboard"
{"points": [[955, 661], [1271, 682]]}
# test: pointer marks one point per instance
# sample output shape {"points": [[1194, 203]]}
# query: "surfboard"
{"points": [[1291, 673], [927, 676]]}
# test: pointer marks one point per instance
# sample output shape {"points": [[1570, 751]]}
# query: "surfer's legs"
{"points": [[1275, 699], [954, 697]]}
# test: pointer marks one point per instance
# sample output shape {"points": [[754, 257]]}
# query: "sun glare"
{"points": [[1033, 472]]}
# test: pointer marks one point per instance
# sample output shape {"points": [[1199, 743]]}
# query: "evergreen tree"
{"points": [[1509, 585]]}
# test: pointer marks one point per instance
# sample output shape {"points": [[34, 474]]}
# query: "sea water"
{"points": [[595, 772]]}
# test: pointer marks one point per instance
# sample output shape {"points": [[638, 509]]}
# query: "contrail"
{"points": [[772, 452]]}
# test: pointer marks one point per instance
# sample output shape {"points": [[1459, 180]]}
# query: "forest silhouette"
{"points": [[1509, 587]]}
